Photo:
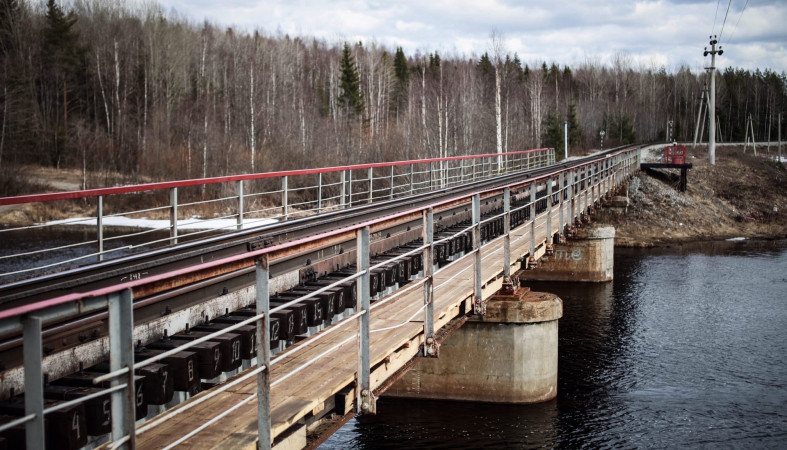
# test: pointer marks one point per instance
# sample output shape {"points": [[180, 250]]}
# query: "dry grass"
{"points": [[741, 196]]}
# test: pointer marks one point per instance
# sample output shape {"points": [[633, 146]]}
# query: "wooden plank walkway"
{"points": [[307, 391], [396, 336]]}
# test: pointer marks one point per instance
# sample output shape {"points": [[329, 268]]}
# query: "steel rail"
{"points": [[220, 244], [588, 194], [377, 213]]}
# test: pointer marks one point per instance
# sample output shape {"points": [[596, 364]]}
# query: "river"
{"points": [[686, 348]]}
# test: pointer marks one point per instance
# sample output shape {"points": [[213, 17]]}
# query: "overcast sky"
{"points": [[666, 33]]}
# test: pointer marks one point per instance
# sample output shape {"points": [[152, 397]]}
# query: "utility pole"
{"points": [[780, 137], [746, 137], [712, 99], [699, 116], [565, 140]]}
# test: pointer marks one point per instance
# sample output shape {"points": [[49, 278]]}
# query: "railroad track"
{"points": [[160, 261], [303, 271]]}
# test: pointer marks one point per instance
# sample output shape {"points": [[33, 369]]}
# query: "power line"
{"points": [[732, 33], [725, 19], [715, 15]]}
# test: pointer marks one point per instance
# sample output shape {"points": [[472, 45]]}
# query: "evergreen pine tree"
{"points": [[619, 129], [350, 82], [9, 15], [401, 70], [485, 67], [553, 134], [574, 129], [62, 56], [434, 61], [402, 74]]}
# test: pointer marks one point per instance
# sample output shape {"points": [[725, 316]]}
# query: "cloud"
{"points": [[669, 32]]}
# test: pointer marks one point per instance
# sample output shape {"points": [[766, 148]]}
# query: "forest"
{"points": [[129, 89]]}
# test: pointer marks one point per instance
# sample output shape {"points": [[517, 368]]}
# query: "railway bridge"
{"points": [[255, 332]]}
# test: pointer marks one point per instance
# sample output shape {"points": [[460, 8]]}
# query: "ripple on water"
{"points": [[684, 349]]}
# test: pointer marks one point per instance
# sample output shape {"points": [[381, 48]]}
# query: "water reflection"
{"points": [[684, 348]]}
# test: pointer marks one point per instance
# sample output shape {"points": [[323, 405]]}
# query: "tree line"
{"points": [[130, 89]]}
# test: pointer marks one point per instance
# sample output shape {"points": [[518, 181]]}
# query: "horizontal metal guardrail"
{"points": [[578, 188], [192, 209]]}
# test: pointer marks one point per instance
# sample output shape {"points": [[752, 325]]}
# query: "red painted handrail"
{"points": [[25, 309], [38, 198]]}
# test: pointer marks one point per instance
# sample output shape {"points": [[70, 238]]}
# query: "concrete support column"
{"points": [[588, 256], [507, 356]]}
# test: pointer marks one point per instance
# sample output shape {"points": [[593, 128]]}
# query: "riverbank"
{"points": [[742, 196]]}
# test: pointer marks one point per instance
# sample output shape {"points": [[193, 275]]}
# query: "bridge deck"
{"points": [[306, 391]]}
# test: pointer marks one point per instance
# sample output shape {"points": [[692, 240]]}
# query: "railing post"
{"points": [[343, 183], [528, 160], [263, 340], [431, 175], [391, 183], [533, 221], [615, 169], [581, 190], [285, 209], [461, 171], [412, 174], [475, 164], [371, 185], [365, 400], [588, 187], [319, 193], [100, 226], [430, 344], [602, 181], [507, 231], [612, 168], [479, 305], [121, 355], [588, 179], [240, 204], [34, 381], [562, 191], [572, 195], [610, 175], [350, 187], [173, 216], [549, 211]]}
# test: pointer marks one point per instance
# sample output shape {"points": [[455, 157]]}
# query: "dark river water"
{"points": [[686, 348]]}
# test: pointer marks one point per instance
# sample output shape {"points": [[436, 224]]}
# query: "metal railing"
{"points": [[166, 213], [570, 194]]}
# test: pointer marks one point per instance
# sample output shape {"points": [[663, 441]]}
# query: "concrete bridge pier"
{"points": [[588, 256], [508, 355]]}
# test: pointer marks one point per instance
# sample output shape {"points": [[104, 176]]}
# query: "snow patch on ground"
{"points": [[194, 223]]}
